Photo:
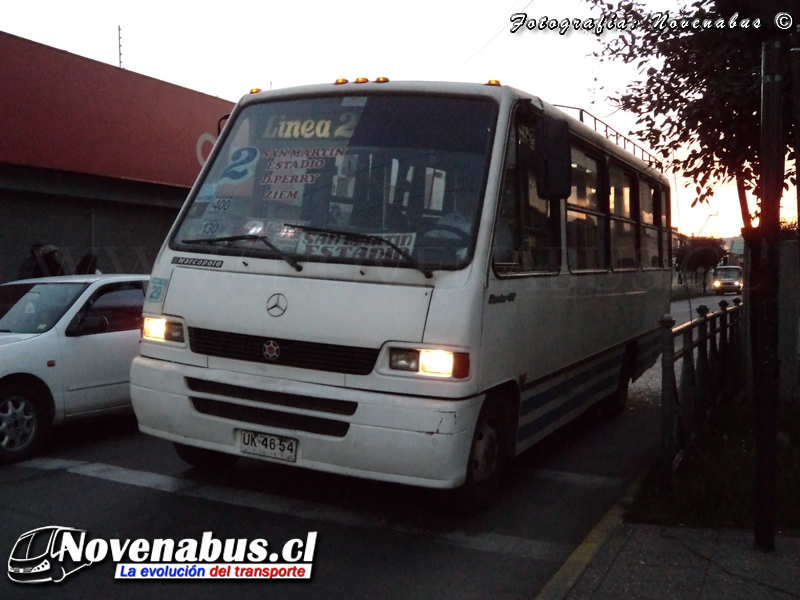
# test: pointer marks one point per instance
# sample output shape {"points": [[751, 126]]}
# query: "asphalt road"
{"points": [[686, 310], [374, 540]]}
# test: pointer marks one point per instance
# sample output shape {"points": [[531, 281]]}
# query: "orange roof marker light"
{"points": [[493, 82], [255, 90], [340, 81], [361, 80], [382, 80]]}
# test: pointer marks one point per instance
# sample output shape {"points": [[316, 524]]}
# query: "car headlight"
{"points": [[430, 362], [162, 330], [716, 283]]}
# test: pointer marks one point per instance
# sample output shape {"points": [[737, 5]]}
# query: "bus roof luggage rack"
{"points": [[615, 136]]}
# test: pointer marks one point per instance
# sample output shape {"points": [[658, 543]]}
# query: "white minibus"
{"points": [[407, 282]]}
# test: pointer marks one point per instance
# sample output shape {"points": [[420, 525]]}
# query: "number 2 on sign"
{"points": [[242, 165]]}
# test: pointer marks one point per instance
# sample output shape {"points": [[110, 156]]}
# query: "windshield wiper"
{"points": [[368, 238], [238, 238]]}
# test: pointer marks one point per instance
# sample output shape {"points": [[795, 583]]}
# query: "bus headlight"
{"points": [[716, 283], [436, 362], [403, 359], [430, 362], [162, 330]]}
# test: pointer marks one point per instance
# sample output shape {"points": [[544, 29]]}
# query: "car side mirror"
{"points": [[94, 325], [87, 326]]}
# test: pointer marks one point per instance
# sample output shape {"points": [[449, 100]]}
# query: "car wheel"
{"points": [[488, 459], [202, 458], [23, 425]]}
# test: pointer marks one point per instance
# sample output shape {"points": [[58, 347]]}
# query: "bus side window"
{"points": [[650, 221], [623, 219], [662, 194], [506, 234], [586, 216], [541, 219], [527, 230]]}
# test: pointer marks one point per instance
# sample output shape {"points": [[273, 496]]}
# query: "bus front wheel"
{"points": [[488, 458]]}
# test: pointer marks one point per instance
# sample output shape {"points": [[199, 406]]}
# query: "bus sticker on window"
{"points": [[294, 178], [340, 246], [308, 127], [303, 152], [354, 101], [220, 205], [282, 195], [209, 228], [242, 165], [206, 193]]}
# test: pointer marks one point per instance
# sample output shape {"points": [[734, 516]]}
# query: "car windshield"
{"points": [[336, 179], [35, 307], [728, 273]]}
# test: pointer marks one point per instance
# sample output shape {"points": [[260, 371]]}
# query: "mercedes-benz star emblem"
{"points": [[277, 305], [271, 350]]}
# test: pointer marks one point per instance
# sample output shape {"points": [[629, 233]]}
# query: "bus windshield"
{"points": [[373, 179]]}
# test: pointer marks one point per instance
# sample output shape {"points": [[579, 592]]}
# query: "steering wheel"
{"points": [[460, 233]]}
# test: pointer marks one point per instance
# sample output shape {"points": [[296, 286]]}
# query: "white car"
{"points": [[66, 346]]}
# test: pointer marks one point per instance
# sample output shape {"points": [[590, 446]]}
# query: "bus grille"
{"points": [[328, 405], [270, 418], [292, 353]]}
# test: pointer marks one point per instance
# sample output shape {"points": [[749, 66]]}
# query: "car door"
{"points": [[99, 346]]}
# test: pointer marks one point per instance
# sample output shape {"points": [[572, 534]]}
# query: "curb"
{"points": [[561, 584]]}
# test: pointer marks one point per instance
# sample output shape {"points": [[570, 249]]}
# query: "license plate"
{"points": [[271, 446]]}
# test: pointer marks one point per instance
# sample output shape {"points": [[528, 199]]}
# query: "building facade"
{"points": [[94, 158]]}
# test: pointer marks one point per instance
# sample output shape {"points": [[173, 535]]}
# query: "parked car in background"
{"points": [[66, 346], [728, 279]]}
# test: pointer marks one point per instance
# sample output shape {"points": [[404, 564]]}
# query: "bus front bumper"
{"points": [[389, 437]]}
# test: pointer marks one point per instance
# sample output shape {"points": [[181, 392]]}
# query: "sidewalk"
{"points": [[621, 561], [646, 561]]}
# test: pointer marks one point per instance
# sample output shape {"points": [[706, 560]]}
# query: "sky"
{"points": [[226, 49]]}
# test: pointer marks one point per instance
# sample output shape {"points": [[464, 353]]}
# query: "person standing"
{"points": [[30, 266], [50, 265]]}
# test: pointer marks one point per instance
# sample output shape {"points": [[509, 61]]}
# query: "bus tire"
{"points": [[24, 423], [614, 403], [204, 459], [488, 458]]}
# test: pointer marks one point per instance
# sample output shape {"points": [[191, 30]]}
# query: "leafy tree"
{"points": [[699, 252], [697, 100]]}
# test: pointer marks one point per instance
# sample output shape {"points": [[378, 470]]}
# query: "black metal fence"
{"points": [[711, 352]]}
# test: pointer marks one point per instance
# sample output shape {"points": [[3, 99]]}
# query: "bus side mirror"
{"points": [[553, 159], [219, 123]]}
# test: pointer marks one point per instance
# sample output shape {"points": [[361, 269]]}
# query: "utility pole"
{"points": [[794, 62], [119, 44], [764, 296]]}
